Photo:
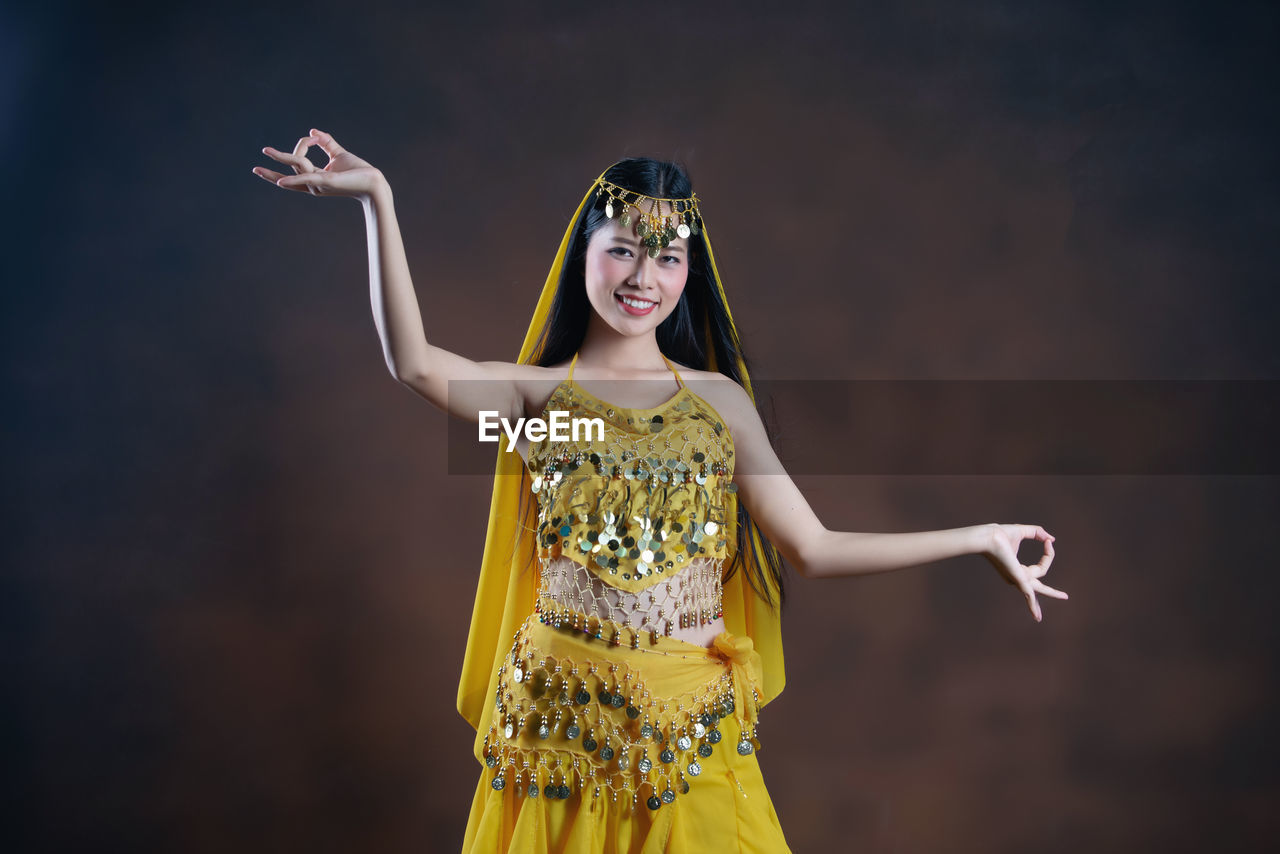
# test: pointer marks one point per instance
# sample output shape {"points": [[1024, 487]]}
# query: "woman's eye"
{"points": [[671, 259], [620, 252]]}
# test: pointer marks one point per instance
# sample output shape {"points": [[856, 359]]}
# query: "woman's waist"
{"points": [[573, 709], [687, 605]]}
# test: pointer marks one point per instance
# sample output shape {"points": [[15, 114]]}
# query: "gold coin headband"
{"points": [[656, 229]]}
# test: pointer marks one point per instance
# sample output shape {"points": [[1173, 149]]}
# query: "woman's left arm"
{"points": [[785, 517]]}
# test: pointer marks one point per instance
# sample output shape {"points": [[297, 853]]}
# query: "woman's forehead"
{"points": [[613, 230]]}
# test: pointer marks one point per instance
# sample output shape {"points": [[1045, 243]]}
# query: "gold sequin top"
{"points": [[632, 525]]}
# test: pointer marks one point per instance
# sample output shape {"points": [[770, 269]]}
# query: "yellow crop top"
{"points": [[641, 505]]}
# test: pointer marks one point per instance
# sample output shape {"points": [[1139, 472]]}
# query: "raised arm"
{"points": [[423, 367], [785, 517]]}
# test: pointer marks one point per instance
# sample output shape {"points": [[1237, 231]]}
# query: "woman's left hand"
{"points": [[1002, 551]]}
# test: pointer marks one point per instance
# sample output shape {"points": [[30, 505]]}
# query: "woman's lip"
{"points": [[632, 310]]}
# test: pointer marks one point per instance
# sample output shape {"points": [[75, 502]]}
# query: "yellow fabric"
{"points": [[728, 807], [655, 485], [505, 596]]}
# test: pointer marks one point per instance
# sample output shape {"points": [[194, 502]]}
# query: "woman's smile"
{"points": [[638, 306]]}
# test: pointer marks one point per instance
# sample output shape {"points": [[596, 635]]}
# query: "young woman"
{"points": [[626, 624]]}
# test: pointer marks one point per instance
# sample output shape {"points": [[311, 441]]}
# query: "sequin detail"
{"points": [[649, 755], [644, 503], [633, 533]]}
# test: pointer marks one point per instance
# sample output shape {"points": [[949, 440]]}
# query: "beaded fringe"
{"points": [[563, 725]]}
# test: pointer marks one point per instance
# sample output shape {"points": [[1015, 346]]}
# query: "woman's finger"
{"points": [[311, 183], [304, 163], [299, 164], [1034, 605], [1049, 591], [327, 143], [267, 174], [1042, 565]]}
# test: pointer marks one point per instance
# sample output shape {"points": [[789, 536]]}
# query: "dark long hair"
{"points": [[700, 316]]}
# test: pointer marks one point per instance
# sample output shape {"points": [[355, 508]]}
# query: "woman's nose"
{"points": [[645, 270]]}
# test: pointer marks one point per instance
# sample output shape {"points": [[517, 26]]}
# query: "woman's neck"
{"points": [[610, 351]]}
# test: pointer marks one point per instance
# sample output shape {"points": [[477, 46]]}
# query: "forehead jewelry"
{"points": [[656, 228]]}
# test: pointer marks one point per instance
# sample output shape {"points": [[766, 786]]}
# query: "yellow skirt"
{"points": [[605, 740]]}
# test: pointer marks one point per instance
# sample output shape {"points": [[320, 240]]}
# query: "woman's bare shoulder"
{"points": [[720, 391]]}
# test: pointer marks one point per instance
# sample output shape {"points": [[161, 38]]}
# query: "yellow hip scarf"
{"points": [[585, 704]]}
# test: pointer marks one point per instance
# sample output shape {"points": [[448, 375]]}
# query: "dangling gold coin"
{"points": [[682, 230], [608, 209]]}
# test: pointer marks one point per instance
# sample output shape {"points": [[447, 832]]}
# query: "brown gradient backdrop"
{"points": [[238, 579]]}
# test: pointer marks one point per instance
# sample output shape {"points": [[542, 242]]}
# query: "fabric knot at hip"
{"points": [[747, 667]]}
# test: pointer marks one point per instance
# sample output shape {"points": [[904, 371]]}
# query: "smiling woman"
{"points": [[615, 690]]}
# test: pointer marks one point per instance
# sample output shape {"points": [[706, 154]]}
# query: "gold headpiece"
{"points": [[656, 228]]}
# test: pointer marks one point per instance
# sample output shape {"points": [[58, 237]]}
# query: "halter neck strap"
{"points": [[572, 364], [673, 370]]}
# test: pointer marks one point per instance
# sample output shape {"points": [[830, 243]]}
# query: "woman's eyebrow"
{"points": [[632, 243]]}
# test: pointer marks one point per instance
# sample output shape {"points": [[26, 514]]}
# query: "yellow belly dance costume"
{"points": [[598, 729]]}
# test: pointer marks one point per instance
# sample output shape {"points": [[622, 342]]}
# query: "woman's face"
{"points": [[630, 291]]}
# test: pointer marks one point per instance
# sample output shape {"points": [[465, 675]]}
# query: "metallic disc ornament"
{"points": [[682, 230], [668, 796], [499, 783], [745, 748], [653, 802]]}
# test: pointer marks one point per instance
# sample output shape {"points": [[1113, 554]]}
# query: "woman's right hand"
{"points": [[344, 174]]}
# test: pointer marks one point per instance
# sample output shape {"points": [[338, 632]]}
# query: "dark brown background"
{"points": [[238, 578]]}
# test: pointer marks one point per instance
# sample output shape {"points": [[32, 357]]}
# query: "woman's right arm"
{"points": [[425, 368]]}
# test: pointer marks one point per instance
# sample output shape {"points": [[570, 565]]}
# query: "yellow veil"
{"points": [[508, 586]]}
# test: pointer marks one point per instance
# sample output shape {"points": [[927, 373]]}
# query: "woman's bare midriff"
{"points": [[571, 584]]}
